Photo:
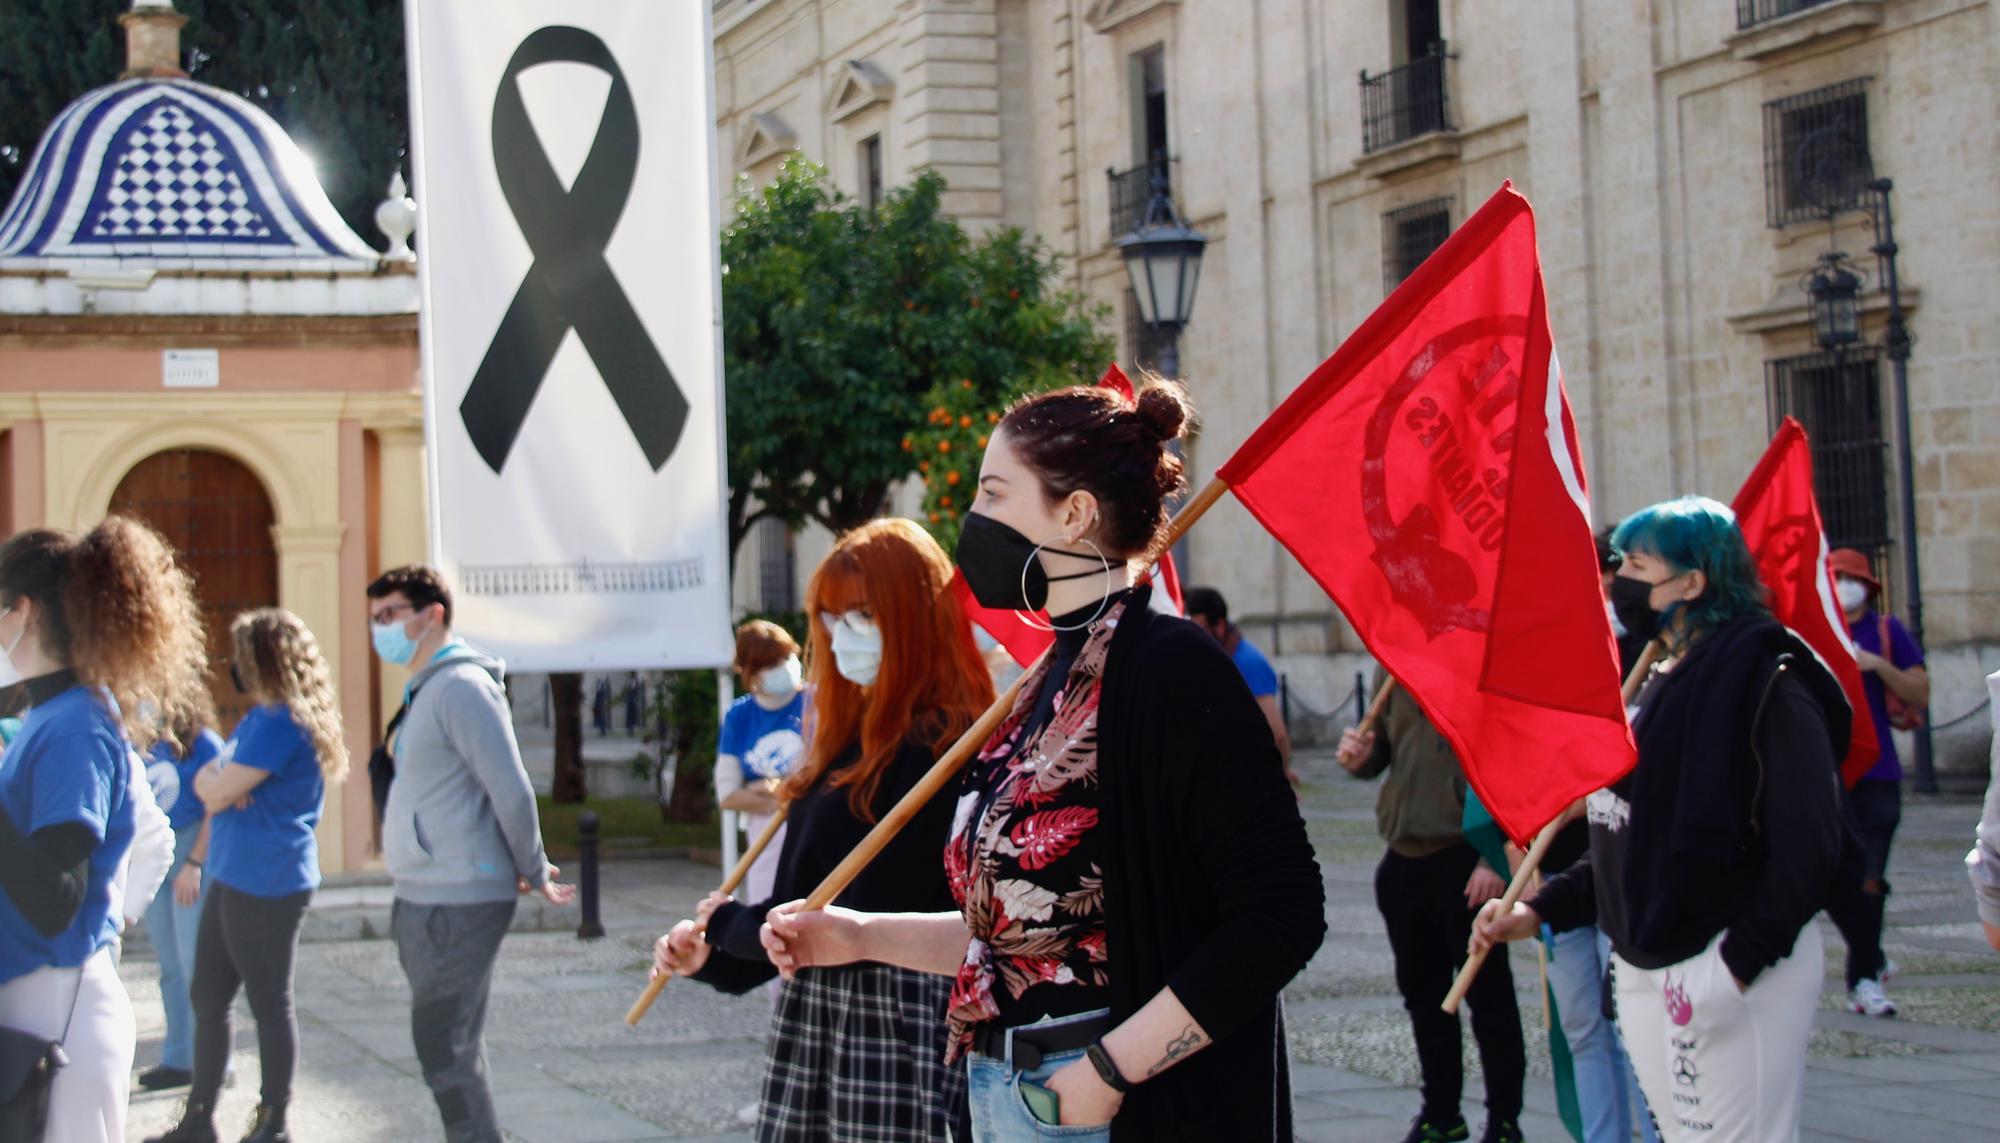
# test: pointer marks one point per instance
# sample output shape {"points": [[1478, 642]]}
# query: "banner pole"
{"points": [[926, 788], [1515, 888], [1637, 678], [729, 885]]}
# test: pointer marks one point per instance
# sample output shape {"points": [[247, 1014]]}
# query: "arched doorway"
{"points": [[216, 514]]}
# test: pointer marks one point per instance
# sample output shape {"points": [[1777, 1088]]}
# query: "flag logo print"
{"points": [[1467, 366]]}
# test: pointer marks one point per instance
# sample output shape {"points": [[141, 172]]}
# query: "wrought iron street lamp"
{"points": [[1833, 297], [1163, 258]]}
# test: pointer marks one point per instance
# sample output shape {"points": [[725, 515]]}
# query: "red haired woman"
{"points": [[858, 1051]]}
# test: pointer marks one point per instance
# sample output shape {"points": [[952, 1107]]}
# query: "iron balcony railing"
{"points": [[1750, 13], [1404, 102], [1132, 190]]}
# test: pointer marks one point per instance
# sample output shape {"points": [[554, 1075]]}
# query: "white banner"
{"points": [[567, 220]]}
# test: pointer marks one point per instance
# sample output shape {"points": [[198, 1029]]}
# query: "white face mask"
{"points": [[10, 674], [857, 647], [782, 681], [1853, 594]]}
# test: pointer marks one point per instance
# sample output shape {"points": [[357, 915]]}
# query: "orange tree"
{"points": [[846, 329]]}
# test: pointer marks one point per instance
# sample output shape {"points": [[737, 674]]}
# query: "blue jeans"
{"points": [[994, 1095], [1607, 1091], [173, 928]]}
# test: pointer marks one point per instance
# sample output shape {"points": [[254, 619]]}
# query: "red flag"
{"points": [[1023, 642], [1428, 476], [1780, 519]]}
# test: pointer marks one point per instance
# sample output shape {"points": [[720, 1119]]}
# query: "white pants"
{"points": [[1718, 1064], [88, 1102]]}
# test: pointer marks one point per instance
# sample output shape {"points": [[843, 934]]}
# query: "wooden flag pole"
{"points": [[1531, 864], [729, 885], [1640, 669], [926, 788], [1522, 875], [1375, 708]]}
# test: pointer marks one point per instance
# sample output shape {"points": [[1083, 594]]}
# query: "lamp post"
{"points": [[1833, 300], [1163, 258]]}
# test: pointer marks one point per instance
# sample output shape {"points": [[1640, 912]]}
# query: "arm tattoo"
{"points": [[1179, 1048]]}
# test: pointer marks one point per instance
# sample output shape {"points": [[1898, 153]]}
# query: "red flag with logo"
{"points": [[1428, 476], [1780, 520], [1017, 632]]}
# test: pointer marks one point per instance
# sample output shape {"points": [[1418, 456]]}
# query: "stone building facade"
{"points": [[1677, 152]]}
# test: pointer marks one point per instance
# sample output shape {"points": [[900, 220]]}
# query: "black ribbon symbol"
{"points": [[570, 285]]}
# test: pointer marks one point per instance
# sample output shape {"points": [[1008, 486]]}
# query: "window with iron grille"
{"points": [[1145, 343], [1750, 13], [777, 567], [1838, 398], [1816, 157], [1409, 235]]}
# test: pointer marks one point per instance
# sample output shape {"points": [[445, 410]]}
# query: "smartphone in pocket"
{"points": [[1043, 1104]]}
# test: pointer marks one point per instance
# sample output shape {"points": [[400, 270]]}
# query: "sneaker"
{"points": [[747, 1114], [1889, 970], [1424, 1131], [1501, 1131], [1869, 1000], [164, 1078]]}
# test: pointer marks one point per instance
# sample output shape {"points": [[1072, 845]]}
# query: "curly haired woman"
{"points": [[266, 792]]}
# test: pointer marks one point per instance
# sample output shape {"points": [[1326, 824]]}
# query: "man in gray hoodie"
{"points": [[460, 834]]}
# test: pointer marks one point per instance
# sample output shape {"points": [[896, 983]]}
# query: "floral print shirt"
{"points": [[1022, 858]]}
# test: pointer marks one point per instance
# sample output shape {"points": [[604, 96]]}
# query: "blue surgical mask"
{"points": [[783, 680], [393, 643], [857, 648]]}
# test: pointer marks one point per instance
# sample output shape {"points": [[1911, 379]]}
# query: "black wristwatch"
{"points": [[1106, 1069]]}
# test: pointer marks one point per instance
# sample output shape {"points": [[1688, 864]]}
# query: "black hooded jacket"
{"points": [[1731, 820]]}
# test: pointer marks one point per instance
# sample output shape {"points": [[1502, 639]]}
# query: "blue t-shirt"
{"points": [[268, 849], [766, 742], [172, 777], [1255, 668], [1867, 635], [69, 764]]}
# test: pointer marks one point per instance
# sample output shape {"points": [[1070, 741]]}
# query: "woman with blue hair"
{"points": [[1708, 861]]}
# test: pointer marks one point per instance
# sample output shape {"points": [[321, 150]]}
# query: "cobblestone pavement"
{"points": [[567, 1070]]}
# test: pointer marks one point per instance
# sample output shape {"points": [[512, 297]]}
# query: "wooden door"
{"points": [[216, 514]]}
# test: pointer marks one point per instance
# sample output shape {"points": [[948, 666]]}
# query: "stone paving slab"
{"points": [[567, 1070]]}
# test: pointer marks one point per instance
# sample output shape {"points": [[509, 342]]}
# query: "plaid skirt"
{"points": [[857, 1056]]}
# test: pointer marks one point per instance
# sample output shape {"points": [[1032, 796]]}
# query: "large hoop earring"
{"points": [[1028, 619]]}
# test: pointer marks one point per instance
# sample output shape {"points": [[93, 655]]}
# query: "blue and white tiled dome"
{"points": [[159, 169]]}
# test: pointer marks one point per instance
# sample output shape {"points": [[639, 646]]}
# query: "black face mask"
{"points": [[236, 677], [1632, 599], [1000, 565]]}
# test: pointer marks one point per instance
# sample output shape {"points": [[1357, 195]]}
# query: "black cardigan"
{"points": [[821, 829], [1210, 886]]}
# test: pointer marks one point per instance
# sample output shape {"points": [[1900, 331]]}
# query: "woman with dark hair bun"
{"points": [[1134, 882], [103, 629]]}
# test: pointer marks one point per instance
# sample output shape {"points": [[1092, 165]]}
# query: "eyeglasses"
{"points": [[859, 620], [389, 613]]}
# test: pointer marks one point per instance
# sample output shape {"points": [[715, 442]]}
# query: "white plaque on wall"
{"points": [[190, 368]]}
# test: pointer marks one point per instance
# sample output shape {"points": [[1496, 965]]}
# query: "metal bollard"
{"points": [[586, 854]]}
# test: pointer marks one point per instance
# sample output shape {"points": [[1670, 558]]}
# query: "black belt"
{"points": [[1035, 1042]]}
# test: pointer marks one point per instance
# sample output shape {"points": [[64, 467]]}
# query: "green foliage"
{"points": [[684, 723], [844, 326], [329, 71]]}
